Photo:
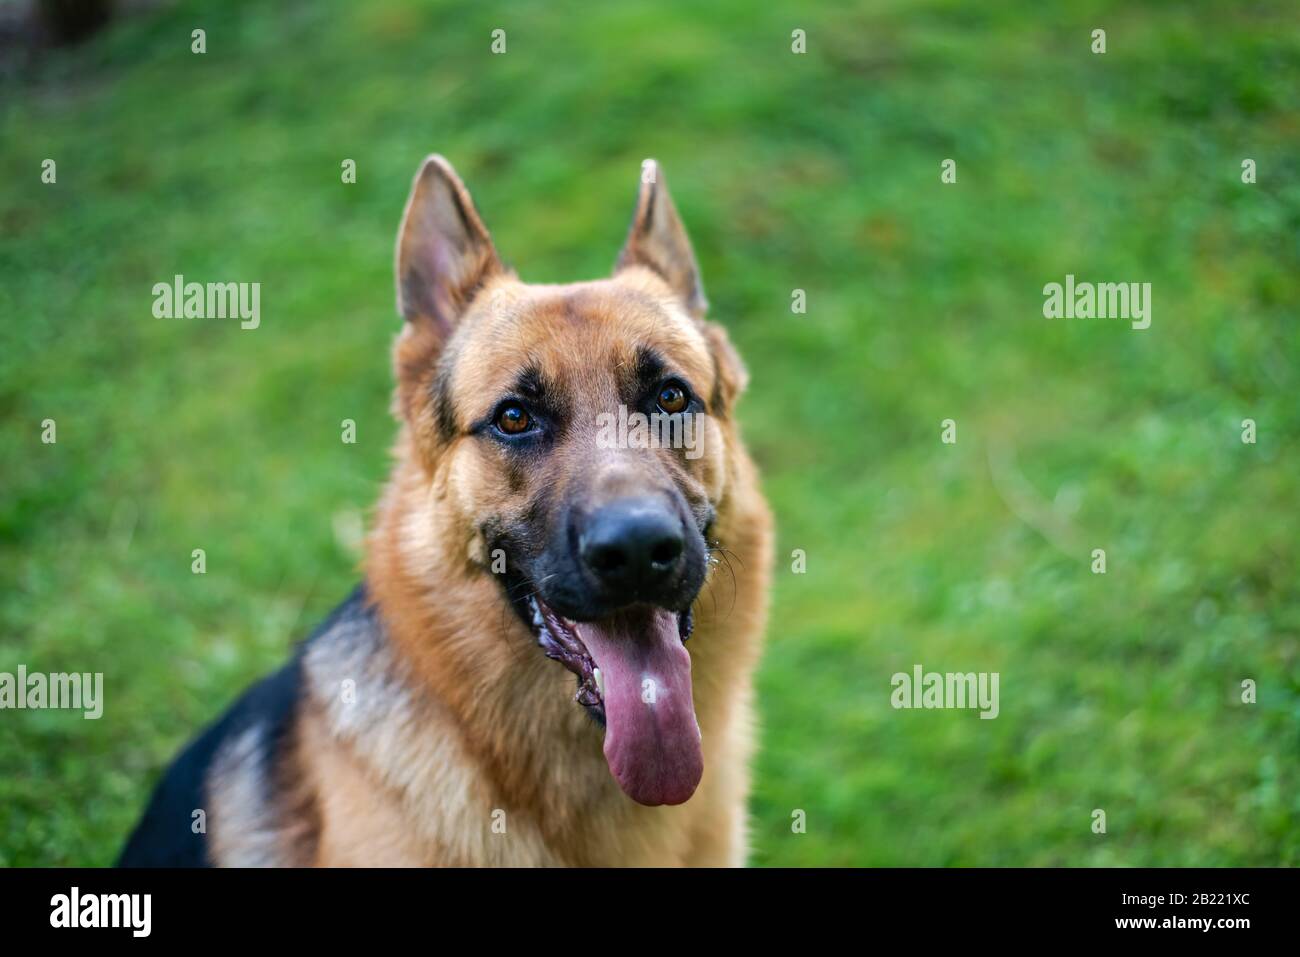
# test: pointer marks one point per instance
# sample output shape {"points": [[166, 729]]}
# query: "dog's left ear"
{"points": [[444, 252], [658, 241]]}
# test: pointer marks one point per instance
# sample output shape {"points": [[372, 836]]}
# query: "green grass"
{"points": [[819, 172]]}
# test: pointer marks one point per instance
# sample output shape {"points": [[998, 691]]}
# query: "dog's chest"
{"points": [[399, 781]]}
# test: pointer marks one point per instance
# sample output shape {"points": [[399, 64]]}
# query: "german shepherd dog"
{"points": [[432, 719]]}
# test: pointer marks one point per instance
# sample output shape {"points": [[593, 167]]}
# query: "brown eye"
{"points": [[672, 398], [513, 419]]}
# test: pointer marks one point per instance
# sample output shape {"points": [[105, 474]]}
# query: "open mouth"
{"points": [[634, 677]]}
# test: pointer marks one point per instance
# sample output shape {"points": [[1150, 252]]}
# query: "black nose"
{"points": [[633, 545]]}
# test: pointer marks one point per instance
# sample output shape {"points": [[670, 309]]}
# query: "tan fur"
{"points": [[460, 721]]}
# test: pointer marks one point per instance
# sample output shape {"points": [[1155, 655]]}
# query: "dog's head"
{"points": [[577, 437]]}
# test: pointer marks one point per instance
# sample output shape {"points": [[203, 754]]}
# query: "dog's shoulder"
{"points": [[235, 766]]}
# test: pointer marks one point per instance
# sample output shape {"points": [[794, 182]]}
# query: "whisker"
{"points": [[724, 555]]}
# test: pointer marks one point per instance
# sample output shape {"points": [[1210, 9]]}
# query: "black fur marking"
{"points": [[530, 385], [165, 836], [542, 396], [648, 368], [443, 408]]}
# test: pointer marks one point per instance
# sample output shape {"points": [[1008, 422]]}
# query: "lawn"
{"points": [[1119, 691]]}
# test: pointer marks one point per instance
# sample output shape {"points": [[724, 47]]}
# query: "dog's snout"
{"points": [[633, 545]]}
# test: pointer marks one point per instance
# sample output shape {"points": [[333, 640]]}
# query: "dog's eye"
{"points": [[512, 418], [672, 397]]}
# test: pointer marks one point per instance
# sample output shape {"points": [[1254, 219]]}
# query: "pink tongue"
{"points": [[652, 740]]}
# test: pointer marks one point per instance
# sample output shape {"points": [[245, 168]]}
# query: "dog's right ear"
{"points": [[657, 239], [444, 252]]}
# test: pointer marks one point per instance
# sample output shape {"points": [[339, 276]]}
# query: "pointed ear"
{"points": [[657, 240], [444, 252]]}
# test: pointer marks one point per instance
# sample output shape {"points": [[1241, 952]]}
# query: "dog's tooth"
{"points": [[600, 681]]}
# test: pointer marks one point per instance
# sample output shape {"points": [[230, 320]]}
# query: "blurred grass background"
{"points": [[819, 172]]}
